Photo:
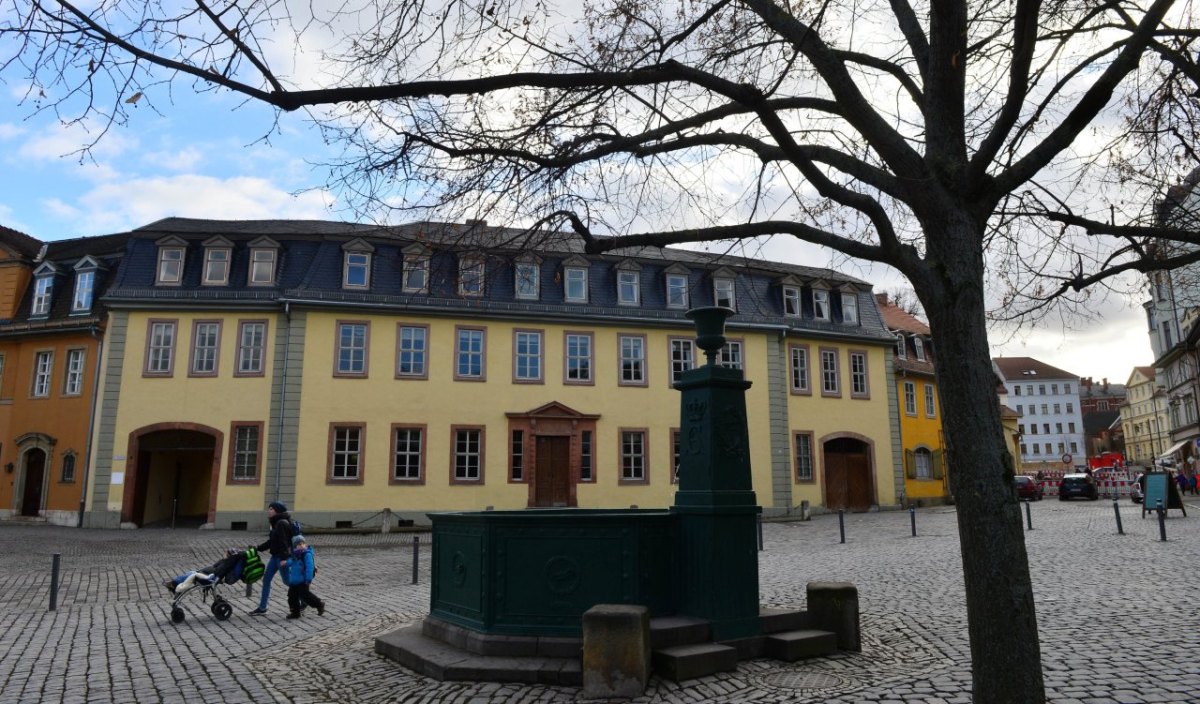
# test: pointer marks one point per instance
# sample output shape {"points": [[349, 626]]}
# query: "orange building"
{"points": [[51, 332]]}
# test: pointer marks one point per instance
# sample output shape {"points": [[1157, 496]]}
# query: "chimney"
{"points": [[881, 298], [1105, 381]]}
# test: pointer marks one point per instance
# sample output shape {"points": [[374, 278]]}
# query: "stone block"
{"points": [[790, 646], [833, 606], [616, 651], [687, 662]]}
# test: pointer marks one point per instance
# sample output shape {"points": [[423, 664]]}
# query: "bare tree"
{"points": [[962, 143]]}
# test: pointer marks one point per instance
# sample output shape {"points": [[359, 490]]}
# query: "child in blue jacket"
{"points": [[298, 571]]}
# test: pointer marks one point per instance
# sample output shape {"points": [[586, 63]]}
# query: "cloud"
{"points": [[10, 131], [58, 140], [183, 160], [1108, 348], [118, 206]]}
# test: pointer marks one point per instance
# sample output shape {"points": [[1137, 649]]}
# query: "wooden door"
{"points": [[859, 495], [35, 474], [836, 495], [552, 475]]}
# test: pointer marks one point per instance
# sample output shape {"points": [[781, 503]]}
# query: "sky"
{"points": [[215, 156]]}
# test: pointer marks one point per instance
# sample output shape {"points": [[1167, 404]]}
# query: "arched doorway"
{"points": [[33, 481], [171, 476], [849, 481]]}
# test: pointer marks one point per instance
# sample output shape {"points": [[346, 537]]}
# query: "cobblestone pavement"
{"points": [[1108, 608]]}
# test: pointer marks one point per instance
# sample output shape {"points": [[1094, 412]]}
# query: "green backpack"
{"points": [[253, 567]]}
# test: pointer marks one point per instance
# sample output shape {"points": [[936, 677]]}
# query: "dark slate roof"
{"points": [[309, 270], [1024, 369], [19, 242], [108, 250]]}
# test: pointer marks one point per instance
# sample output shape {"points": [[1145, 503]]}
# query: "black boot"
{"points": [[294, 614]]}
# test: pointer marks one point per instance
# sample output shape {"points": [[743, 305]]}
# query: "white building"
{"points": [[1051, 423], [1144, 418]]}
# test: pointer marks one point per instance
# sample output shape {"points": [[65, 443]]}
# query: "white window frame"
{"points": [[356, 262], [575, 284], [410, 454], [85, 289], [830, 373], [930, 402], [730, 355], [73, 380], [578, 354], [471, 277], [470, 353], [468, 455], [161, 336], [43, 290], [850, 309], [247, 446], [251, 357], [528, 358], [205, 348], [859, 382], [262, 266], [910, 398], [901, 346], [791, 302], [43, 368], [412, 351], [724, 293], [629, 288], [351, 438], [632, 352], [170, 266], [919, 347], [634, 452], [801, 376], [527, 284], [354, 364], [683, 357], [216, 268], [923, 463], [677, 291], [820, 304]]}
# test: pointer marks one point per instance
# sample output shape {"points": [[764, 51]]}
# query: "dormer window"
{"points": [[849, 309], [820, 304], [264, 254], [901, 347], [416, 269], [43, 289], [218, 251], [85, 285], [470, 277], [575, 280], [677, 288], [919, 348], [171, 252], [723, 296], [527, 284], [356, 266], [791, 301], [629, 284]]}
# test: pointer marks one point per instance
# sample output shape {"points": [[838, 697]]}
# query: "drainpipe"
{"points": [[287, 312], [87, 452]]}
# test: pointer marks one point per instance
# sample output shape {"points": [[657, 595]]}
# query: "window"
{"points": [[850, 308], [919, 348], [1062, 448], [408, 454], [412, 350], [469, 354], [1070, 427], [1048, 450], [516, 470], [575, 285], [901, 346], [585, 456], [1029, 389], [1024, 449], [1020, 409], [527, 284], [1033, 409], [43, 289], [1058, 408], [923, 463], [1070, 407], [252, 345], [633, 456], [468, 455], [73, 382], [346, 453], [675, 455], [577, 367], [820, 304], [356, 270], [246, 452], [858, 376], [216, 266], [1033, 429], [206, 341], [262, 266], [682, 356], [723, 295], [730, 355], [800, 377], [351, 351], [470, 277], [629, 288], [633, 359], [1058, 428], [68, 468], [170, 265], [527, 356], [910, 398], [160, 348], [1021, 429], [1054, 388], [1045, 428], [1017, 390], [791, 301], [1066, 388], [1074, 448], [85, 285], [677, 291], [930, 409], [804, 457], [416, 274], [43, 365], [1041, 389], [829, 373], [1045, 412]]}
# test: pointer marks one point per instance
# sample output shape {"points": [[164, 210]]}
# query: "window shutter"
{"points": [[938, 470], [910, 464]]}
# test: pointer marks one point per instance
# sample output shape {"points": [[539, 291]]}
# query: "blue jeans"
{"points": [[272, 568]]}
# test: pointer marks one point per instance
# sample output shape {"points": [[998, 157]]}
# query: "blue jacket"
{"points": [[300, 567]]}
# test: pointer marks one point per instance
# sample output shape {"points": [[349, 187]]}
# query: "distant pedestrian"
{"points": [[1182, 482], [1192, 483], [279, 543], [299, 570]]}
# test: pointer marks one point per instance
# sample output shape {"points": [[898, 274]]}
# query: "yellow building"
{"points": [[919, 421], [346, 369]]}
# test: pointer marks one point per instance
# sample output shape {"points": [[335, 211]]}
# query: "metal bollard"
{"points": [[416, 555], [1028, 517], [912, 516], [842, 523], [1162, 522], [54, 581], [1117, 513]]}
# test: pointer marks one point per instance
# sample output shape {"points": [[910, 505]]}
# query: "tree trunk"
{"points": [[1005, 654]]}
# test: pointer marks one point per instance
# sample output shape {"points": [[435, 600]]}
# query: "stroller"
{"points": [[237, 565]]}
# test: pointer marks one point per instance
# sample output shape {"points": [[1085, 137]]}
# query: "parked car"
{"points": [[1137, 491], [1073, 485], [1028, 488]]}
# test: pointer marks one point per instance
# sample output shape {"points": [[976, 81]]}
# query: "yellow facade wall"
{"points": [[922, 430]]}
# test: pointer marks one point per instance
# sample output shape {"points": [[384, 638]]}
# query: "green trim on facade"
{"points": [[894, 415], [283, 437], [777, 409], [115, 336]]}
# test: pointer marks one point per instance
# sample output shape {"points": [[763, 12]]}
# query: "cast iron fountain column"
{"points": [[716, 508]]}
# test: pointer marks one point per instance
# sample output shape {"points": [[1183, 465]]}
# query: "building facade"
{"points": [[346, 369], [1047, 399]]}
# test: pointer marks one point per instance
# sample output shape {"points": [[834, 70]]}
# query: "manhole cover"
{"points": [[802, 680]]}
